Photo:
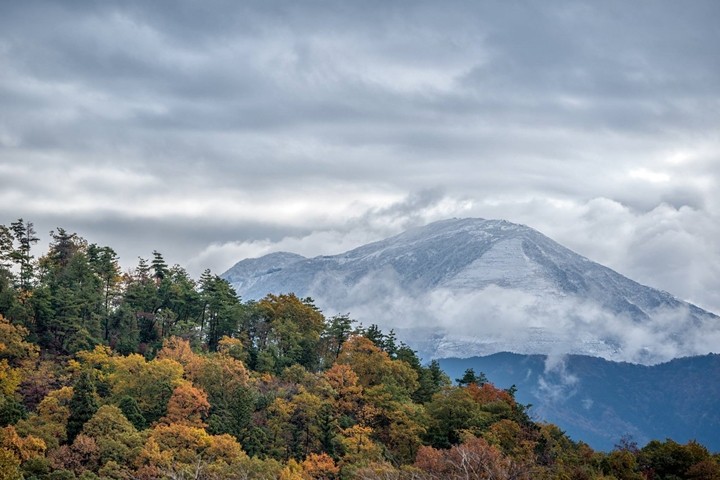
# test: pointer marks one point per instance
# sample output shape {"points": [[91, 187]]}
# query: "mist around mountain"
{"points": [[599, 402], [473, 287]]}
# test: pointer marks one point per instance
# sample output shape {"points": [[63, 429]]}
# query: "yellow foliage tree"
{"points": [[359, 447], [346, 390], [320, 466], [9, 466], [375, 367], [178, 349], [49, 423], [24, 448], [151, 384], [13, 346]]}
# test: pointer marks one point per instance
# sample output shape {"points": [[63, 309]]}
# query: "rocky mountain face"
{"points": [[471, 287]]}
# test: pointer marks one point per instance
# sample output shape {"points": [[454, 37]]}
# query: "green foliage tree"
{"points": [[337, 331], [83, 404], [222, 310], [104, 263], [69, 299], [129, 408], [24, 233], [471, 377]]}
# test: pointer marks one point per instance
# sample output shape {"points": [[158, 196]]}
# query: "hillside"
{"points": [[154, 375]]}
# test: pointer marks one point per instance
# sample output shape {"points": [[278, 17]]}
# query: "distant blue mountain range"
{"points": [[598, 401]]}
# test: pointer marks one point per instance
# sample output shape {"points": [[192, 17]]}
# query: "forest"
{"points": [[151, 374]]}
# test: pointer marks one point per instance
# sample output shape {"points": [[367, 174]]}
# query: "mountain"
{"points": [[598, 401], [473, 287]]}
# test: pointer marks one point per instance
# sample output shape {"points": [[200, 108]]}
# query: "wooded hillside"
{"points": [[151, 374]]}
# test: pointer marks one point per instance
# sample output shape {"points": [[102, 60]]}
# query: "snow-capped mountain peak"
{"points": [[464, 287]]}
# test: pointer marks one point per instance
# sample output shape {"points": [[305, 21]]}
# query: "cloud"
{"points": [[446, 322], [220, 130]]}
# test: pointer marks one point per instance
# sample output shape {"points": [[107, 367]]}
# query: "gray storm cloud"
{"points": [[213, 131]]}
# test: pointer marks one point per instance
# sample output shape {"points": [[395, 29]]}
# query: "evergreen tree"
{"points": [[471, 377], [130, 409], [24, 233], [83, 404], [104, 262], [69, 298], [337, 331], [6, 248], [159, 267], [222, 310]]}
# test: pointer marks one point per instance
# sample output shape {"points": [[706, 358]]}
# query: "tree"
{"points": [[474, 458], [374, 366], [83, 404], [151, 384], [470, 377], [346, 391], [432, 379], [159, 267], [129, 408], [669, 460], [358, 446], [24, 233], [452, 411], [291, 332], [187, 406], [116, 438], [104, 262], [222, 309], [320, 466], [69, 299], [337, 331], [50, 420]]}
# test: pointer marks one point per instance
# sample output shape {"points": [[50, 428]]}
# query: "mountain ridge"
{"points": [[600, 401], [456, 286]]}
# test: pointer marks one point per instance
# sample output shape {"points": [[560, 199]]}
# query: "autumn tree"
{"points": [[150, 384], [290, 333], [187, 406], [474, 458], [49, 422], [116, 438]]}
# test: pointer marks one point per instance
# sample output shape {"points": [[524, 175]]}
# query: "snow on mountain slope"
{"points": [[466, 287]]}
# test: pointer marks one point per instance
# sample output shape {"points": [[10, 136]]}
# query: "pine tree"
{"points": [[83, 404], [471, 377], [159, 267], [24, 233], [104, 262], [130, 409]]}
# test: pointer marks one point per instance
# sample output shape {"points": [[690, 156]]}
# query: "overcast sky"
{"points": [[218, 130]]}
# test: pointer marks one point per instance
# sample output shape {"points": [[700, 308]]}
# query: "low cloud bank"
{"points": [[448, 323]]}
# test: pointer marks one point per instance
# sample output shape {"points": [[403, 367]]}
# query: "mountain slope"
{"points": [[599, 401], [465, 287]]}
